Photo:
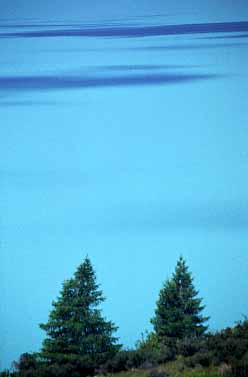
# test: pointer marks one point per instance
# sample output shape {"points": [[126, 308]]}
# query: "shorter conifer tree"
{"points": [[178, 311]]}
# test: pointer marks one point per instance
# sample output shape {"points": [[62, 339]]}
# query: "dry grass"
{"points": [[172, 369]]}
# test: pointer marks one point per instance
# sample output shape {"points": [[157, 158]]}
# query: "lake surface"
{"points": [[126, 139]]}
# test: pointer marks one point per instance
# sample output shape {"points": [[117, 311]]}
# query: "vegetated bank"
{"points": [[80, 342]]}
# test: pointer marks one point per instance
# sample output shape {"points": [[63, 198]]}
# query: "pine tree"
{"points": [[79, 338], [178, 311]]}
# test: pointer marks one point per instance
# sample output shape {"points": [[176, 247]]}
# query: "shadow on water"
{"points": [[128, 31], [36, 82]]}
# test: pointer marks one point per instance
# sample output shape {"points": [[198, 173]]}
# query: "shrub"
{"points": [[230, 344], [190, 346], [200, 358], [154, 350], [156, 372], [240, 367], [122, 361], [5, 373]]}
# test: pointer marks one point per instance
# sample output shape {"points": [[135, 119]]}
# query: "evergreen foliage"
{"points": [[178, 311], [80, 341], [27, 365], [79, 338]]}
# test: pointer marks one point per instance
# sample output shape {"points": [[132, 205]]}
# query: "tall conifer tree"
{"points": [[79, 338], [178, 311]]}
